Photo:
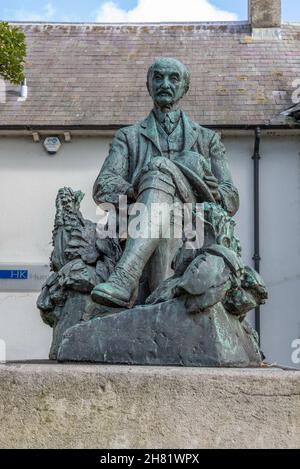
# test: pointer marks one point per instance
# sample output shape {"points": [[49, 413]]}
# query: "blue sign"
{"points": [[14, 274]]}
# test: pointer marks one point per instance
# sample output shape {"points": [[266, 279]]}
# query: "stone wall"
{"points": [[87, 406]]}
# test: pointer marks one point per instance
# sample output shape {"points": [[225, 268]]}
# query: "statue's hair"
{"points": [[168, 61]]}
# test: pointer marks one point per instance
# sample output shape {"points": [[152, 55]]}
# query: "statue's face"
{"points": [[167, 84]]}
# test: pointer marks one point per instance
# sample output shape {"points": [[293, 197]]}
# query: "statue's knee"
{"points": [[155, 179]]}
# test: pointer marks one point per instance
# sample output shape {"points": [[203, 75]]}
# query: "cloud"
{"points": [[163, 10], [47, 14], [50, 10]]}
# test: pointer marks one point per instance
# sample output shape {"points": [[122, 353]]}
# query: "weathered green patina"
{"points": [[175, 151], [155, 300]]}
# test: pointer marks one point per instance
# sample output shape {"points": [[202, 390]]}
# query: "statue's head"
{"points": [[168, 81]]}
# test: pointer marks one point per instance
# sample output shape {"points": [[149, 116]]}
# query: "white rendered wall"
{"points": [[279, 235], [29, 180]]}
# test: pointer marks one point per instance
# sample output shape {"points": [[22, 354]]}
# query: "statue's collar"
{"points": [[173, 116], [149, 130]]}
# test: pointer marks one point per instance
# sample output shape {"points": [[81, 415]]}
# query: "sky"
{"points": [[134, 10]]}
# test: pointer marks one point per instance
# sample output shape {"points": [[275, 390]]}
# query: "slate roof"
{"points": [[81, 74]]}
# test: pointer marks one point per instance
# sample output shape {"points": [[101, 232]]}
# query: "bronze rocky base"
{"points": [[163, 334]]}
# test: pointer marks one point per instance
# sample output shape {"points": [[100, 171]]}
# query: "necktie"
{"points": [[168, 124]]}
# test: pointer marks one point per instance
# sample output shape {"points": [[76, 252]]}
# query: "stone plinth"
{"points": [[94, 406]]}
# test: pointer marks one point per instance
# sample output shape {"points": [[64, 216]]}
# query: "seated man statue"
{"points": [[164, 159], [155, 296]]}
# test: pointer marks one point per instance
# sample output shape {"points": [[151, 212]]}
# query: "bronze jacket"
{"points": [[134, 146]]}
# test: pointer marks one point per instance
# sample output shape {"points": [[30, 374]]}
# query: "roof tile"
{"points": [[95, 74]]}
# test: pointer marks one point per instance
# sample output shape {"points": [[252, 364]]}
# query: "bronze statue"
{"points": [[150, 299], [145, 162]]}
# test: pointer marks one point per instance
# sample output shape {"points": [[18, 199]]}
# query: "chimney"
{"points": [[265, 13]]}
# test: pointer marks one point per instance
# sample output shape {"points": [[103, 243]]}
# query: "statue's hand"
{"points": [[212, 182]]}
